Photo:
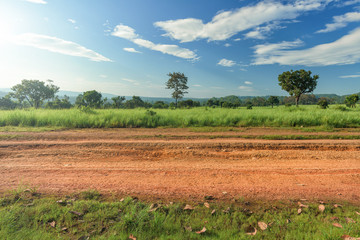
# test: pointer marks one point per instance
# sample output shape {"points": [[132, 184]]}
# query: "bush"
{"points": [[323, 104]]}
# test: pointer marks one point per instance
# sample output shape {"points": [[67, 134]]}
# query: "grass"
{"points": [[304, 116], [25, 214]]}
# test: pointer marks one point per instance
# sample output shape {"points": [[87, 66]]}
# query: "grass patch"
{"points": [[304, 116], [25, 214]]}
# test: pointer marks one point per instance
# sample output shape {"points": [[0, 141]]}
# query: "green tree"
{"points": [[273, 100], [92, 99], [351, 100], [35, 92], [135, 102], [177, 82], [6, 103], [323, 103], [117, 101], [59, 103], [297, 83]]}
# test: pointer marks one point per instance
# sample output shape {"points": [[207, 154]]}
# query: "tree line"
{"points": [[299, 84]]}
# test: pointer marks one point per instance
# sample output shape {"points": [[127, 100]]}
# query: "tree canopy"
{"points": [[177, 82], [298, 82], [351, 100], [35, 92]]}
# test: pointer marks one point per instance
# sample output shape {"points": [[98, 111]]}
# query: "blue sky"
{"points": [[232, 47]]}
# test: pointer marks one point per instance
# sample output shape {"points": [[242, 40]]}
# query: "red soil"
{"points": [[162, 163]]}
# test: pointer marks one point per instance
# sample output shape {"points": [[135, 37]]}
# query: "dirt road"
{"points": [[180, 164]]}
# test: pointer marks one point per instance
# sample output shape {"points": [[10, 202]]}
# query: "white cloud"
{"points": [[196, 85], [237, 39], [37, 1], [263, 32], [264, 49], [123, 31], [228, 23], [226, 63], [345, 50], [132, 50], [128, 33], [72, 21], [347, 3], [248, 83], [350, 76], [58, 45], [227, 45], [246, 88], [103, 76], [129, 80], [341, 21]]}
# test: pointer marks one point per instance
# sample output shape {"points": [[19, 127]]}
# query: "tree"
{"points": [[351, 100], [34, 92], [6, 103], [135, 102], [273, 100], [117, 101], [297, 83], [177, 82], [323, 103], [59, 103], [89, 99]]}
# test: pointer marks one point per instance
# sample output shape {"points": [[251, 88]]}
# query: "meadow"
{"points": [[303, 116]]}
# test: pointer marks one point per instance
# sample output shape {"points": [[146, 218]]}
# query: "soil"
{"points": [[182, 164]]}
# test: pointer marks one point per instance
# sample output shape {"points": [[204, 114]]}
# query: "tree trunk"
{"points": [[297, 100]]}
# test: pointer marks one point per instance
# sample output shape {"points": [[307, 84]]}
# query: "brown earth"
{"points": [[182, 164]]}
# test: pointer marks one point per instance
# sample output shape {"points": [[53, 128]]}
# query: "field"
{"points": [[304, 116], [62, 181]]}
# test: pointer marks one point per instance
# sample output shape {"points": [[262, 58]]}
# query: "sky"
{"points": [[232, 47]]}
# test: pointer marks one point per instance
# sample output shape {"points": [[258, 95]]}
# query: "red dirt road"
{"points": [[179, 164]]}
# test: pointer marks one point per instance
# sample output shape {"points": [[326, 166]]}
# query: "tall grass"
{"points": [[306, 116]]}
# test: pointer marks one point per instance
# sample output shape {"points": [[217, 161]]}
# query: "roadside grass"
{"points": [[301, 117], [26, 214]]}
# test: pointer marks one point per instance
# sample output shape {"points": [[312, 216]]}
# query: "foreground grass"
{"points": [[28, 215], [304, 116]]}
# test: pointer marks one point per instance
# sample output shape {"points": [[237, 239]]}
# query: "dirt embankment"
{"points": [[163, 163]]}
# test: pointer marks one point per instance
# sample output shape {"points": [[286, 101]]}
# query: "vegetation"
{"points": [[323, 103], [273, 100], [177, 82], [306, 116], [351, 100], [25, 214], [297, 83], [34, 92]]}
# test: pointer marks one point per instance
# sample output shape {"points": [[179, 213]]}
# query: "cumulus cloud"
{"points": [[128, 33], [132, 50], [248, 83], [341, 21], [345, 50], [58, 45], [228, 23], [226, 63], [37, 1]]}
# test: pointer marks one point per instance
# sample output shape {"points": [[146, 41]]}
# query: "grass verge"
{"points": [[25, 214]]}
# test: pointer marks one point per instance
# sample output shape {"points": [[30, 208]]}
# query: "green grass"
{"points": [[25, 214], [304, 116]]}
